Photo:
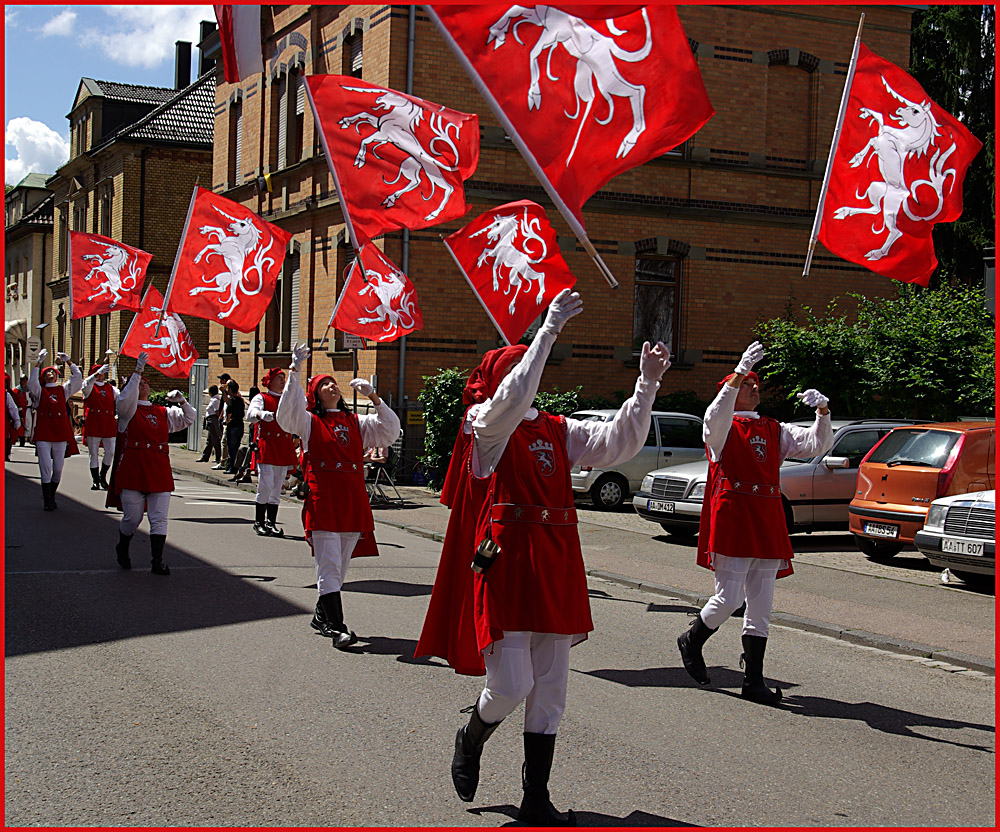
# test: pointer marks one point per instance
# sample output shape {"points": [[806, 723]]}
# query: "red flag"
{"points": [[228, 263], [398, 161], [512, 261], [589, 98], [239, 36], [898, 170], [104, 275], [383, 309], [172, 351]]}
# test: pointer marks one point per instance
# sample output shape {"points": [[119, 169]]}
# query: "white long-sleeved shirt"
{"points": [[71, 386], [598, 444], [256, 411], [15, 417], [214, 405], [90, 381], [293, 416], [179, 416], [796, 440]]}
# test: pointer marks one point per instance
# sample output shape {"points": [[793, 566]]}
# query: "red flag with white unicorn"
{"points": [[512, 261], [170, 346], [398, 161], [104, 275], [380, 304], [898, 169], [227, 264]]}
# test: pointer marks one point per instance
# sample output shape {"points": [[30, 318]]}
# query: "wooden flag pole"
{"points": [[173, 271], [818, 219], [571, 220]]}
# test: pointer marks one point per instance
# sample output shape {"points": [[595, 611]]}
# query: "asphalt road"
{"points": [[204, 698]]}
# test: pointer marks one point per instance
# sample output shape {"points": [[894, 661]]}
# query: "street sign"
{"points": [[34, 345], [415, 417], [354, 342]]}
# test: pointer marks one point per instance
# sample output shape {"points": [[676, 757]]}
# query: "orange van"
{"points": [[907, 470]]}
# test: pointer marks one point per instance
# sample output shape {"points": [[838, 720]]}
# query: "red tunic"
{"points": [[334, 471], [274, 446], [144, 464], [51, 418], [22, 406], [537, 582], [743, 516], [99, 412]]}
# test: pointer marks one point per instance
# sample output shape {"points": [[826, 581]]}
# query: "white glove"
{"points": [[654, 361], [299, 355], [140, 362], [751, 355], [813, 398], [362, 386], [267, 416], [62, 358], [564, 306], [42, 355], [105, 368]]}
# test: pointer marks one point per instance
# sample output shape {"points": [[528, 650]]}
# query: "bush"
{"points": [[159, 398], [443, 411]]}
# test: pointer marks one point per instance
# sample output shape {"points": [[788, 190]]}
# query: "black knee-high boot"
{"points": [[53, 488], [536, 808], [690, 643], [95, 475], [121, 550], [156, 544], [754, 688], [272, 521], [469, 742], [332, 626], [260, 521], [47, 496], [104, 476]]}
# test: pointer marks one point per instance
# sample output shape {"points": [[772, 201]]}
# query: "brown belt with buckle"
{"points": [[510, 513], [755, 489], [162, 447]]}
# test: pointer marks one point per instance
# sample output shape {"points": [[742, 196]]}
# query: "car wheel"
{"points": [[679, 531], [973, 578], [609, 492], [877, 550]]}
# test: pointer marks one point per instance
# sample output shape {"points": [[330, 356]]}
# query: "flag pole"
{"points": [[466, 276], [575, 226], [818, 219], [173, 270]]}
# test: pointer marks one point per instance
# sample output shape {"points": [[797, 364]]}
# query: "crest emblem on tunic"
{"points": [[758, 444], [544, 455], [151, 418], [342, 434]]}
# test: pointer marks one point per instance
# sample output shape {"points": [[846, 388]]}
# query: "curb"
{"points": [[810, 625], [861, 637]]}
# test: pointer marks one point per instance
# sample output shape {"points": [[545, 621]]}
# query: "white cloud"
{"points": [[145, 35], [37, 149], [61, 24], [9, 19]]}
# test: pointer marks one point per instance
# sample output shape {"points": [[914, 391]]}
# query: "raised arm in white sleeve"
{"points": [[180, 415], [799, 441], [256, 411], [75, 382], [718, 421], [293, 415], [600, 444], [127, 401], [88, 384], [35, 386], [379, 429]]}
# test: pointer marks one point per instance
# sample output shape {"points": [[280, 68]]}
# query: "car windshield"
{"points": [[926, 448]]}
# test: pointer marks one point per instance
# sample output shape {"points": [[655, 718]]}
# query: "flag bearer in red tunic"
{"points": [[336, 514], [275, 452], [54, 439], [531, 604], [99, 424], [142, 480], [743, 536]]}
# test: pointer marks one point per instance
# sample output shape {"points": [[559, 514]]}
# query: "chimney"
{"points": [[182, 64], [207, 52]]}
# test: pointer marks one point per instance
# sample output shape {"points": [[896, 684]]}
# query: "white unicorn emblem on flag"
{"points": [[395, 306], [518, 262], [174, 340], [234, 251], [110, 266], [893, 146]]}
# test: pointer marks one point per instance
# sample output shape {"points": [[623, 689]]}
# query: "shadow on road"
{"points": [[665, 677], [585, 818], [383, 587], [401, 648]]}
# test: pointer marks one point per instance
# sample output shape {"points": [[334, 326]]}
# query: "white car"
{"points": [[960, 534], [673, 438]]}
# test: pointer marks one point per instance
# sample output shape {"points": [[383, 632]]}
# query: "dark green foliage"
{"points": [[928, 354], [559, 404], [159, 398], [443, 411]]}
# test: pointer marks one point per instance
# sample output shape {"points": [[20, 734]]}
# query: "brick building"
{"points": [[704, 241], [136, 153]]}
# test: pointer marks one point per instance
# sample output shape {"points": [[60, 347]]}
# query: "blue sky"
{"points": [[48, 49]]}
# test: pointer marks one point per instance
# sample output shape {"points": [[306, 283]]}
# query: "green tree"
{"points": [[952, 51], [441, 398]]}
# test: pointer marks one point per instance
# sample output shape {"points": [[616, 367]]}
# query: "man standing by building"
{"points": [[53, 429], [99, 425], [213, 427], [275, 452], [743, 536], [235, 412], [224, 399]]}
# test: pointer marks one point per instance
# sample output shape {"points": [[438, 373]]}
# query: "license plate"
{"points": [[881, 530], [659, 505], [961, 547]]}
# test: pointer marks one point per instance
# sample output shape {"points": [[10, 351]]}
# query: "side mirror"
{"points": [[837, 462]]}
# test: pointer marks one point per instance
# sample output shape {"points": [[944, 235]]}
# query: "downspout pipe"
{"points": [[410, 41]]}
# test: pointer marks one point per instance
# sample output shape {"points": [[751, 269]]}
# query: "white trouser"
{"points": [[51, 456], [526, 667], [109, 449], [332, 551], [270, 478], [156, 506], [737, 579]]}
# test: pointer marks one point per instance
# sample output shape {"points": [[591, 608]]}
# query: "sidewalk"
{"points": [[422, 514]]}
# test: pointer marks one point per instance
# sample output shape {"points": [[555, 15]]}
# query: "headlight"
{"points": [[647, 484], [936, 516], [698, 492]]}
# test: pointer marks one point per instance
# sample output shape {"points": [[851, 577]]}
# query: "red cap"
{"points": [[751, 375], [484, 380], [270, 375]]}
